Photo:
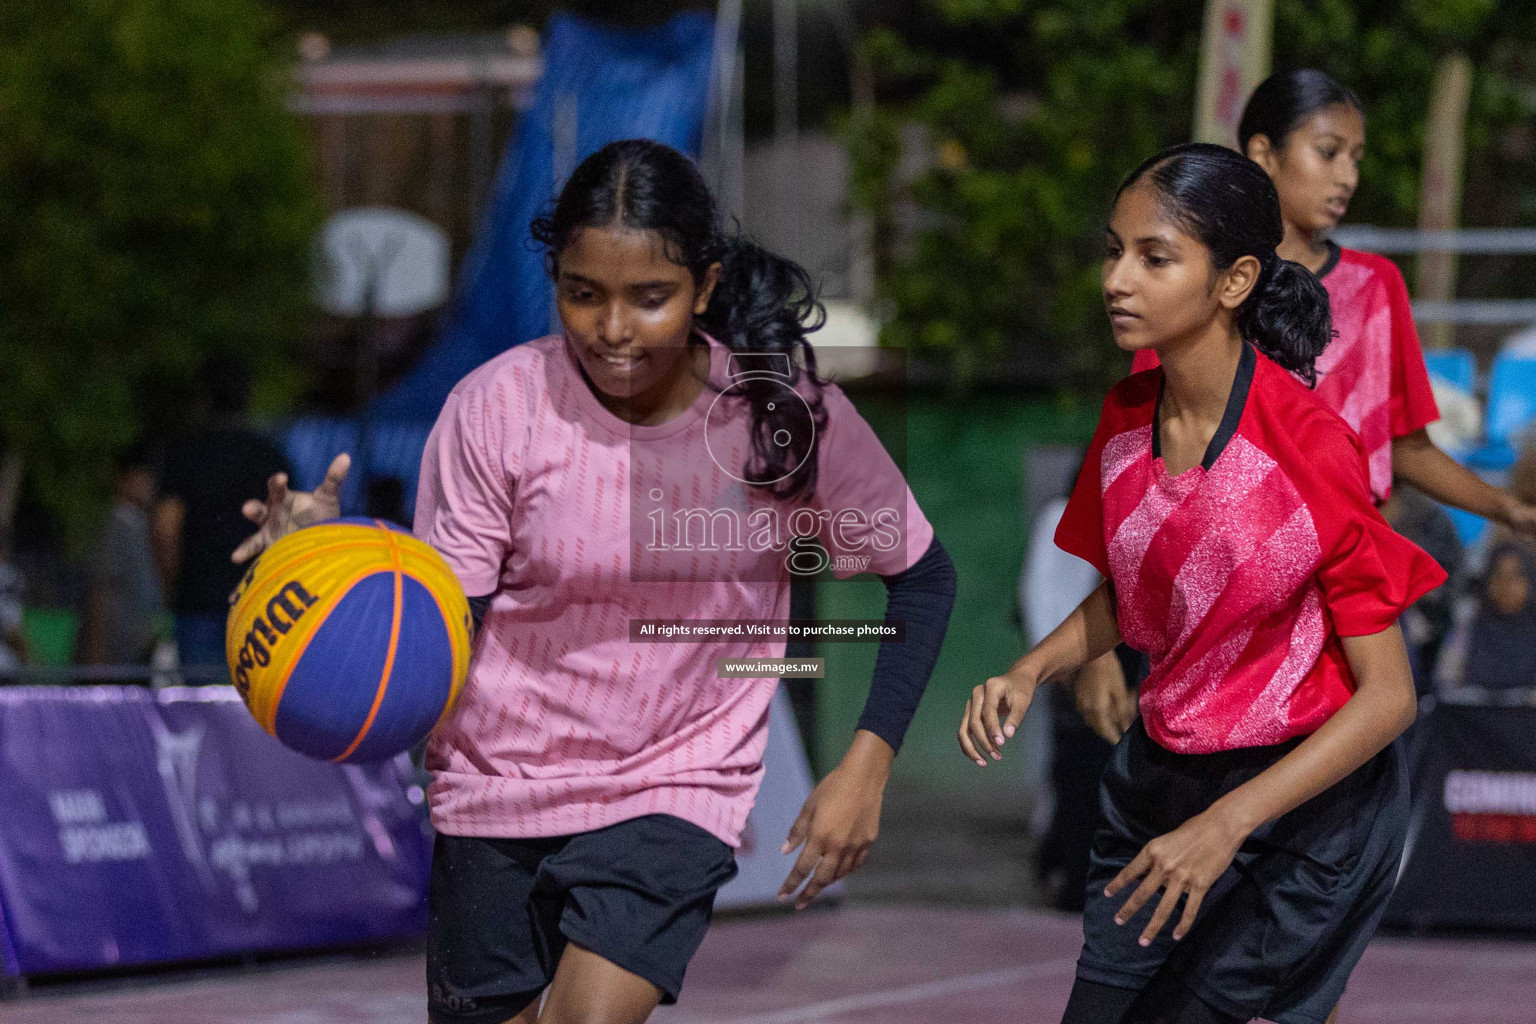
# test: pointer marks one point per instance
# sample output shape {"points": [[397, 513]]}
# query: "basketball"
{"points": [[349, 640]]}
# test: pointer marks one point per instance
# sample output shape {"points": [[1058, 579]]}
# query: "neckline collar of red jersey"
{"points": [[1334, 254], [1237, 401]]}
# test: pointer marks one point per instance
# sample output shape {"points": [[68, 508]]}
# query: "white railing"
{"points": [[1466, 241]]}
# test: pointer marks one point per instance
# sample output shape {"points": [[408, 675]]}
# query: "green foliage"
{"points": [[156, 206], [1004, 267], [1029, 136]]}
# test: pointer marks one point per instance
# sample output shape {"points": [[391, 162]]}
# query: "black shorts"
{"points": [[1280, 932], [639, 894]]}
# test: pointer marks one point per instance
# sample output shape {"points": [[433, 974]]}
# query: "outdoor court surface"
{"points": [[851, 965]]}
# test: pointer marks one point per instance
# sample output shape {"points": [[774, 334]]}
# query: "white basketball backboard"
{"points": [[404, 256]]}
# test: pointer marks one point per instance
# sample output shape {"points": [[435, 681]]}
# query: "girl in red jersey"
{"points": [[1231, 514], [1308, 132]]}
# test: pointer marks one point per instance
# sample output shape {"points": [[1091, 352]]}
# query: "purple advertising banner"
{"points": [[141, 827]]}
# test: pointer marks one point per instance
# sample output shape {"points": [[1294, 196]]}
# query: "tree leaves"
{"points": [[989, 257], [156, 206]]}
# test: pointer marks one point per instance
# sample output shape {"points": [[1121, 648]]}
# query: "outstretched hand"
{"points": [[993, 714], [1520, 517], [839, 821], [285, 511], [1184, 863]]}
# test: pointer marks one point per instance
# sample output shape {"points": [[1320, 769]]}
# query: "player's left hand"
{"points": [[1520, 517], [1185, 862], [839, 821]]}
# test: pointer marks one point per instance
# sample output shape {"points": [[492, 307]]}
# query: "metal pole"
{"points": [[1445, 149], [862, 268], [482, 158], [367, 385], [375, 265], [723, 142], [786, 128]]}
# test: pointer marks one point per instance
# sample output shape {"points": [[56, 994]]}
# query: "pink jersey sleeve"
{"points": [[468, 472], [1370, 573], [1413, 401], [868, 507]]}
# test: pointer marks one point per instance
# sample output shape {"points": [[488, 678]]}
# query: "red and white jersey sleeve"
{"points": [[1238, 576], [1373, 373]]}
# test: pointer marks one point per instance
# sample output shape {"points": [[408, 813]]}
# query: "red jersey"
{"points": [[1373, 373], [1238, 576]]}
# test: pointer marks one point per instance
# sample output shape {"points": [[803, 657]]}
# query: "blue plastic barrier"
{"points": [[145, 828]]}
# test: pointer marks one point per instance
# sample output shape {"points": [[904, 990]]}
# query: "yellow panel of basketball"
{"points": [[286, 597]]}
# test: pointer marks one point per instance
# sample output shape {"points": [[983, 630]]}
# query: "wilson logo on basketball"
{"points": [[285, 609], [1492, 807]]}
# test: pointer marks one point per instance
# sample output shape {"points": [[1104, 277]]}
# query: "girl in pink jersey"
{"points": [[670, 456], [1230, 512]]}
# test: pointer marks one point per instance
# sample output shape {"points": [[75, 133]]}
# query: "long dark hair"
{"points": [[1285, 99], [763, 303], [1227, 202]]}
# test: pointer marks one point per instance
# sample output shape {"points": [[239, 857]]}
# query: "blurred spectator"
{"points": [[197, 522], [122, 586], [1521, 344], [1496, 647], [13, 642], [1425, 626], [1501, 649]]}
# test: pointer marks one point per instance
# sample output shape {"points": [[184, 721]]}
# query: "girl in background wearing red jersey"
{"points": [[1308, 132], [1231, 514]]}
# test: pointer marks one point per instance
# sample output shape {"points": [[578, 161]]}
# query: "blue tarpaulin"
{"points": [[600, 84]]}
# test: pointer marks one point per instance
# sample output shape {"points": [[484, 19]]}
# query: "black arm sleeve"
{"points": [[922, 596], [477, 607]]}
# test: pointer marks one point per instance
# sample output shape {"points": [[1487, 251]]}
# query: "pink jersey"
{"points": [[579, 522], [1373, 373], [1238, 576]]}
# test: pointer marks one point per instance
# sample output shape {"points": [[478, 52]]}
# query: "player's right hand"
{"points": [[993, 714], [285, 511]]}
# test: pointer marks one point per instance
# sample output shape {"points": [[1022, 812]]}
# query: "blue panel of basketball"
{"points": [[420, 683], [323, 706]]}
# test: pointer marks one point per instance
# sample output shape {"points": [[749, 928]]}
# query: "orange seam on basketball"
{"points": [[458, 640], [389, 656], [269, 719]]}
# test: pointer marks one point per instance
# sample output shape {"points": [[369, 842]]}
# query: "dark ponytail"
{"points": [[1228, 203], [1285, 99], [762, 304]]}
